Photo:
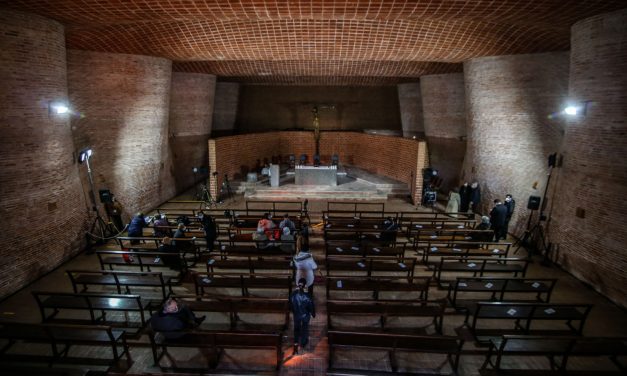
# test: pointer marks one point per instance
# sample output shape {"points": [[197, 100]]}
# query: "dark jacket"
{"points": [[302, 305], [510, 205], [475, 195], [172, 325], [498, 215], [136, 226], [464, 195], [209, 225]]}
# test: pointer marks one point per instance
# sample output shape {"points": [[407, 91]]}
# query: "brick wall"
{"points": [[265, 108], [410, 103], [225, 108], [443, 101], [594, 173], [395, 157], [123, 101], [510, 133], [191, 114], [43, 213]]}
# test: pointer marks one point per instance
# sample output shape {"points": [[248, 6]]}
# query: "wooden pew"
{"points": [[350, 249], [254, 265], [384, 309], [521, 316], [371, 266], [234, 306], [393, 343], [376, 286], [359, 236], [498, 288], [250, 250], [61, 338], [146, 261], [479, 266], [458, 249], [122, 281], [150, 243], [423, 237], [51, 304], [242, 282], [555, 348], [216, 341]]}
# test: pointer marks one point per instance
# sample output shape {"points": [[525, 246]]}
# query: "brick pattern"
{"points": [[388, 37], [510, 135], [225, 107], [594, 172], [123, 102], [443, 102], [263, 108], [410, 104], [191, 115], [395, 157], [43, 212]]}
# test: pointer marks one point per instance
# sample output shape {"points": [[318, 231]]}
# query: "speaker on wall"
{"points": [[534, 202]]}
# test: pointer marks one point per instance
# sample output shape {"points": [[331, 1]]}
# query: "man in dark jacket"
{"points": [[510, 204], [464, 195], [135, 228], [498, 214], [303, 308], [475, 196], [174, 319], [209, 225]]}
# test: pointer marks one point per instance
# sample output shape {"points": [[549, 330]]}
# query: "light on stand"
{"points": [[57, 108], [571, 110]]}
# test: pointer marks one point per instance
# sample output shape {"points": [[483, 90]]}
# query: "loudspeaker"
{"points": [[105, 195], [534, 202]]}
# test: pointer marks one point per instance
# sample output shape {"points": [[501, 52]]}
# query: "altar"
{"points": [[312, 175]]}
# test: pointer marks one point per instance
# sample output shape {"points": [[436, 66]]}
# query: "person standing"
{"points": [[114, 211], [510, 204], [209, 226], [497, 219], [475, 196], [303, 309], [305, 266], [464, 197], [454, 200]]}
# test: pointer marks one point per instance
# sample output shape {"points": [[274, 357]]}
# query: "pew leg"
{"points": [[393, 363]]}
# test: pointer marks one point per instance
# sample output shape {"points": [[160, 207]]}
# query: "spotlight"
{"points": [[84, 155], [58, 108], [571, 110]]}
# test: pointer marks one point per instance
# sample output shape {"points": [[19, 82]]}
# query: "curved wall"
{"points": [[443, 102], [410, 103], [510, 133], [42, 208], [191, 113], [589, 209], [124, 102]]}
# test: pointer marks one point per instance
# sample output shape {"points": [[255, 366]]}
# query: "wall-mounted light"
{"points": [[576, 109], [58, 108]]}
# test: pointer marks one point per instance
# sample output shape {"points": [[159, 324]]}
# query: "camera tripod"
{"points": [[533, 235], [205, 196]]}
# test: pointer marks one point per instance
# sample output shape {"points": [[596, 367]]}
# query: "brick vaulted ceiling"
{"points": [[318, 42]]}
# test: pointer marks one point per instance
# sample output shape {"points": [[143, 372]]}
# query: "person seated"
{"points": [[181, 246], [173, 261], [484, 236], [161, 227], [287, 222], [174, 319], [265, 171], [268, 225], [261, 238], [485, 223], [390, 230]]}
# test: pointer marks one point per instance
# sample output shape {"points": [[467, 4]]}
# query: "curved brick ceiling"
{"points": [[318, 42]]}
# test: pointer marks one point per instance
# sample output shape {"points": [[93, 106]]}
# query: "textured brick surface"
{"points": [[395, 157], [191, 114], [510, 135], [443, 100], [124, 103], [410, 104], [42, 208], [340, 108], [225, 108], [594, 173]]}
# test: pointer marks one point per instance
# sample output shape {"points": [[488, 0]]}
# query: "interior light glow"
{"points": [[571, 110]]}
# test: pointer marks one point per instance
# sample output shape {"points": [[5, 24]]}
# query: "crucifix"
{"points": [[316, 124]]}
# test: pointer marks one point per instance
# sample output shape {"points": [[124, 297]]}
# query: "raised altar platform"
{"points": [[316, 175]]}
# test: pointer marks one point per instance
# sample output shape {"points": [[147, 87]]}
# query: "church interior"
{"points": [[384, 131]]}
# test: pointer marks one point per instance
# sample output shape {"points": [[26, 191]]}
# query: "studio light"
{"points": [[571, 110], [58, 108], [84, 155]]}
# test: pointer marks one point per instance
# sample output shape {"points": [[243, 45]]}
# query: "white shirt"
{"points": [[305, 265]]}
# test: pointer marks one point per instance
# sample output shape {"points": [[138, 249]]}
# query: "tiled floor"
{"points": [[606, 319]]}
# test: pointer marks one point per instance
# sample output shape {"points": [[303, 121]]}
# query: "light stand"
{"points": [[99, 230]]}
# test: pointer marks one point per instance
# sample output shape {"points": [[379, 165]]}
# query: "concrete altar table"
{"points": [[321, 175]]}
